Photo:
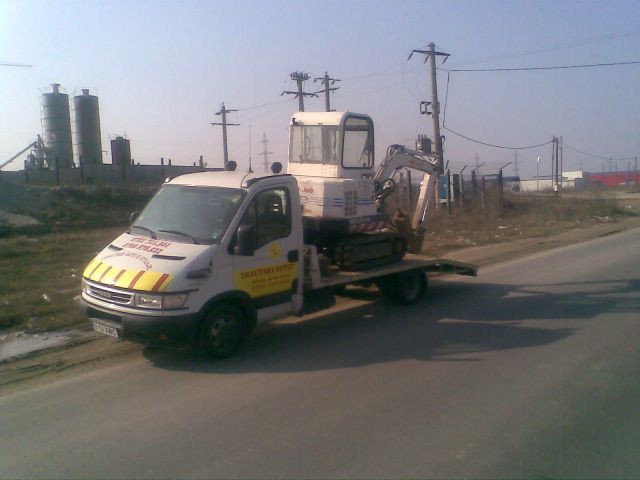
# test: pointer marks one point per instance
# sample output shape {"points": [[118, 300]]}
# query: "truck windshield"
{"points": [[189, 214], [314, 144]]}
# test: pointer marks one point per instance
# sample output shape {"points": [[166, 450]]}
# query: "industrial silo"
{"points": [[88, 141], [56, 125]]}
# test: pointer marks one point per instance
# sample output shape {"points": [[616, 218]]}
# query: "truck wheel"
{"points": [[404, 288], [222, 331]]}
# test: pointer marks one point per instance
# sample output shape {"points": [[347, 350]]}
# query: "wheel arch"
{"points": [[237, 298]]}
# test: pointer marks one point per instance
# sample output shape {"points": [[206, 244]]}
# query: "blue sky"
{"points": [[162, 69]]}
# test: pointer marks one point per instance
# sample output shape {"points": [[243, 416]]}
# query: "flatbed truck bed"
{"points": [[410, 262]]}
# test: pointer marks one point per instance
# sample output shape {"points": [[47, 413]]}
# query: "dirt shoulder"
{"points": [[87, 353]]}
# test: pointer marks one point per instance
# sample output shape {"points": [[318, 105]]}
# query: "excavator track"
{"points": [[359, 252]]}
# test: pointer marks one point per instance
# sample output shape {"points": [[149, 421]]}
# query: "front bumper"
{"points": [[179, 328]]}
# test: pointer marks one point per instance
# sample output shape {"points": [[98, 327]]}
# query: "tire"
{"points": [[340, 290], [222, 331], [404, 288]]}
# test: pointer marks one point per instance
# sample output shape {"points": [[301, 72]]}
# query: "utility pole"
{"points": [[610, 164], [300, 78], [265, 153], [515, 162], [250, 169], [327, 89], [223, 113], [477, 159], [635, 163], [430, 56], [557, 159], [561, 161]]}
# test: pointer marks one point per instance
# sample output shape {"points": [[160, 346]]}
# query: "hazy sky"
{"points": [[162, 69]]}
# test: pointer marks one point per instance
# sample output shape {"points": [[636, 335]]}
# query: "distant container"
{"points": [[120, 152], [56, 126], [88, 139]]}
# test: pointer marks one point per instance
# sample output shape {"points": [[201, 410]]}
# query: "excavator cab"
{"points": [[331, 145]]}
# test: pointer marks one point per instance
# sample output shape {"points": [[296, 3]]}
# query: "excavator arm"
{"points": [[399, 157]]}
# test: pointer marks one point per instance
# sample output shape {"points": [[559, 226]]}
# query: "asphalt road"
{"points": [[531, 371]]}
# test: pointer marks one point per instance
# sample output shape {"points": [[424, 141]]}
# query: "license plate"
{"points": [[112, 332]]}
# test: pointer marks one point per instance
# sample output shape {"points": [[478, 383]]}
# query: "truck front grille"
{"points": [[109, 295]]}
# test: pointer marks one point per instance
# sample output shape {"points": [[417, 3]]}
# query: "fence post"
{"points": [[57, 172], [81, 163], [474, 184], [501, 188], [448, 192]]}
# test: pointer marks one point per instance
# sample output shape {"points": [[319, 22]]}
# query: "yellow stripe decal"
{"points": [[166, 283], [147, 281], [126, 278], [90, 267], [95, 276], [118, 277], [109, 276]]}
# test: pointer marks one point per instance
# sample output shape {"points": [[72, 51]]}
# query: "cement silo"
{"points": [[88, 141], [56, 126]]}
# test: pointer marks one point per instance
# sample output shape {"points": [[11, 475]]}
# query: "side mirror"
{"points": [[133, 216], [246, 240]]}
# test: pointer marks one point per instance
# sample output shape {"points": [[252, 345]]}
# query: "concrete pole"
{"points": [[300, 94], [435, 107], [225, 151]]}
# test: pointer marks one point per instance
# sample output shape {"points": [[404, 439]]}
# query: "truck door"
{"points": [[270, 275]]}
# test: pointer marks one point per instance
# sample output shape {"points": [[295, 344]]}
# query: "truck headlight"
{"points": [[158, 302]]}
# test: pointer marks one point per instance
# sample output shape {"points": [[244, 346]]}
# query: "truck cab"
{"points": [[211, 255]]}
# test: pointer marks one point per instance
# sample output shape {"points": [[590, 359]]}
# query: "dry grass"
{"points": [[40, 277], [518, 216]]}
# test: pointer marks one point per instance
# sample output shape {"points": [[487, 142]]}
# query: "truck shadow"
{"points": [[456, 320]]}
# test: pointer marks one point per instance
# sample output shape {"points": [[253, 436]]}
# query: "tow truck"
{"points": [[214, 254]]}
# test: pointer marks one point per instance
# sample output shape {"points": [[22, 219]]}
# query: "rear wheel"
{"points": [[404, 288], [222, 331]]}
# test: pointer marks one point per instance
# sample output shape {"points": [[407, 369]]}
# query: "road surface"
{"points": [[531, 371]]}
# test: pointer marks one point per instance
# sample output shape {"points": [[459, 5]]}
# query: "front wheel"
{"points": [[222, 331]]}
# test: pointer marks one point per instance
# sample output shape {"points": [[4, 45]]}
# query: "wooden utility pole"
{"points": [[265, 153], [327, 89], [223, 114], [300, 78], [430, 56]]}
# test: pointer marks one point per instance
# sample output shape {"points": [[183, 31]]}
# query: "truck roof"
{"points": [[224, 179]]}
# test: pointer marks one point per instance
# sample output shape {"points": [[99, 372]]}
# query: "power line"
{"points": [[493, 145], [557, 67], [599, 157], [262, 105]]}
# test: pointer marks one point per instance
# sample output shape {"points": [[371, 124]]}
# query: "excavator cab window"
{"points": [[357, 149], [314, 144]]}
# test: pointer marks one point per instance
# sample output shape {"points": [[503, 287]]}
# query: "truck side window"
{"points": [[270, 212]]}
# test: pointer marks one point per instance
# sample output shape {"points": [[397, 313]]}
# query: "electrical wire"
{"points": [[446, 97], [262, 105], [599, 157], [557, 67], [493, 145]]}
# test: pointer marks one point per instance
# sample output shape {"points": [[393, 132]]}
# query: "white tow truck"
{"points": [[214, 254]]}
